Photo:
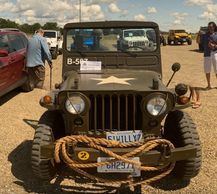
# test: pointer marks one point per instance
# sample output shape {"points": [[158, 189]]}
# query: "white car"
{"points": [[133, 38], [54, 40]]}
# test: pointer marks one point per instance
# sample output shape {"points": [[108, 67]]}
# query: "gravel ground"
{"points": [[19, 113]]}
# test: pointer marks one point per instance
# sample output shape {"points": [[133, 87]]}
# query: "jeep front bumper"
{"points": [[150, 158]]}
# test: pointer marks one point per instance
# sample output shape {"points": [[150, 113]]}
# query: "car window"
{"points": [[25, 40], [4, 42], [16, 42]]}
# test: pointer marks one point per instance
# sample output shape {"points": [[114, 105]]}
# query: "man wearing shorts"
{"points": [[210, 51], [37, 53]]}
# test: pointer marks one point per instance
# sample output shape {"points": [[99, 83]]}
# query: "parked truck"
{"points": [[54, 40]]}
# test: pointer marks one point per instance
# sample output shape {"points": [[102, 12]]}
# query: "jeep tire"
{"points": [[169, 42], [55, 53], [44, 168], [189, 42], [175, 41], [181, 131], [164, 42]]}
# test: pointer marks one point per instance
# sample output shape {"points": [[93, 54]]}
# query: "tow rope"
{"points": [[103, 145]]}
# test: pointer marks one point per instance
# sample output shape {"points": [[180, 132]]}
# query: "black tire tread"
{"points": [[42, 167], [181, 131]]}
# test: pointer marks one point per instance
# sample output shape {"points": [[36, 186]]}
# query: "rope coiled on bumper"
{"points": [[103, 145]]}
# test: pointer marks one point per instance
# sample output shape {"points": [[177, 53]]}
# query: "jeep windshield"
{"points": [[180, 31], [129, 33], [50, 34], [111, 40]]}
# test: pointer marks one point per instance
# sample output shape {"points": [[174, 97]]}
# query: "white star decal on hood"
{"points": [[113, 79]]}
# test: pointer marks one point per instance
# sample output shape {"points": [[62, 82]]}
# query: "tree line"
{"points": [[28, 28]]}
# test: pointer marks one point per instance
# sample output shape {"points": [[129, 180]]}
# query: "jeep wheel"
{"points": [[164, 42], [176, 42], [55, 53], [181, 131], [43, 168], [190, 42], [169, 42], [48, 130], [60, 52]]}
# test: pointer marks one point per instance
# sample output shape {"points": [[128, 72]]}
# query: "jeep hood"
{"points": [[113, 80], [136, 38]]}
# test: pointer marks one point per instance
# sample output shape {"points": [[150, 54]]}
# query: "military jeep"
{"points": [[115, 100]]}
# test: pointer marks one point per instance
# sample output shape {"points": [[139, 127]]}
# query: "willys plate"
{"points": [[125, 136], [121, 166], [118, 166]]}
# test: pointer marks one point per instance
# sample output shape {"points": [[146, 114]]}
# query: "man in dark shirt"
{"points": [[210, 51]]}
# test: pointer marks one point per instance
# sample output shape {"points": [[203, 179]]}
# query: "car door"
{"points": [[17, 57], [5, 73]]}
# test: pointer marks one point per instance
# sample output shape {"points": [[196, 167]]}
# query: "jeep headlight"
{"points": [[75, 104], [156, 106]]}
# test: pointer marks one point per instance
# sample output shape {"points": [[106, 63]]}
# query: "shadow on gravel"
{"points": [[196, 50], [170, 183], [9, 96], [204, 89]]}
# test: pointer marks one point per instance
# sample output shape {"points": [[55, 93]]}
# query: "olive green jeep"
{"points": [[113, 114]]}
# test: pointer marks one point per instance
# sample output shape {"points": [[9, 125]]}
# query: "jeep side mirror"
{"points": [[3, 53], [176, 67]]}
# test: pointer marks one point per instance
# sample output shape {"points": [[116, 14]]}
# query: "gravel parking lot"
{"points": [[19, 113]]}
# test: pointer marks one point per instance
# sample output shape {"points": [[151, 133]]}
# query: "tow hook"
{"points": [[165, 154]]}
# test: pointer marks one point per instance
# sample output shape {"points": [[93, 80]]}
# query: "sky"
{"points": [[169, 14]]}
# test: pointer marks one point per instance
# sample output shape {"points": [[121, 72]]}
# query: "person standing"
{"points": [[37, 53], [210, 53]]}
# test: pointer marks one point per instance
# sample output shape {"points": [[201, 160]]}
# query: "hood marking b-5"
{"points": [[113, 79]]}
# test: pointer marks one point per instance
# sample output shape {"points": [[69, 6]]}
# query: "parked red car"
{"points": [[12, 60]]}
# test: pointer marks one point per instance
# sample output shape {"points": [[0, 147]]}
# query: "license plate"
{"points": [[125, 136], [118, 166]]}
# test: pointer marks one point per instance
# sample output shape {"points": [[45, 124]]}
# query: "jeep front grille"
{"points": [[115, 112], [139, 43]]}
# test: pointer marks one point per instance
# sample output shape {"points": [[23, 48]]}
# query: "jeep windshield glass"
{"points": [[50, 34], [111, 40], [180, 31]]}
